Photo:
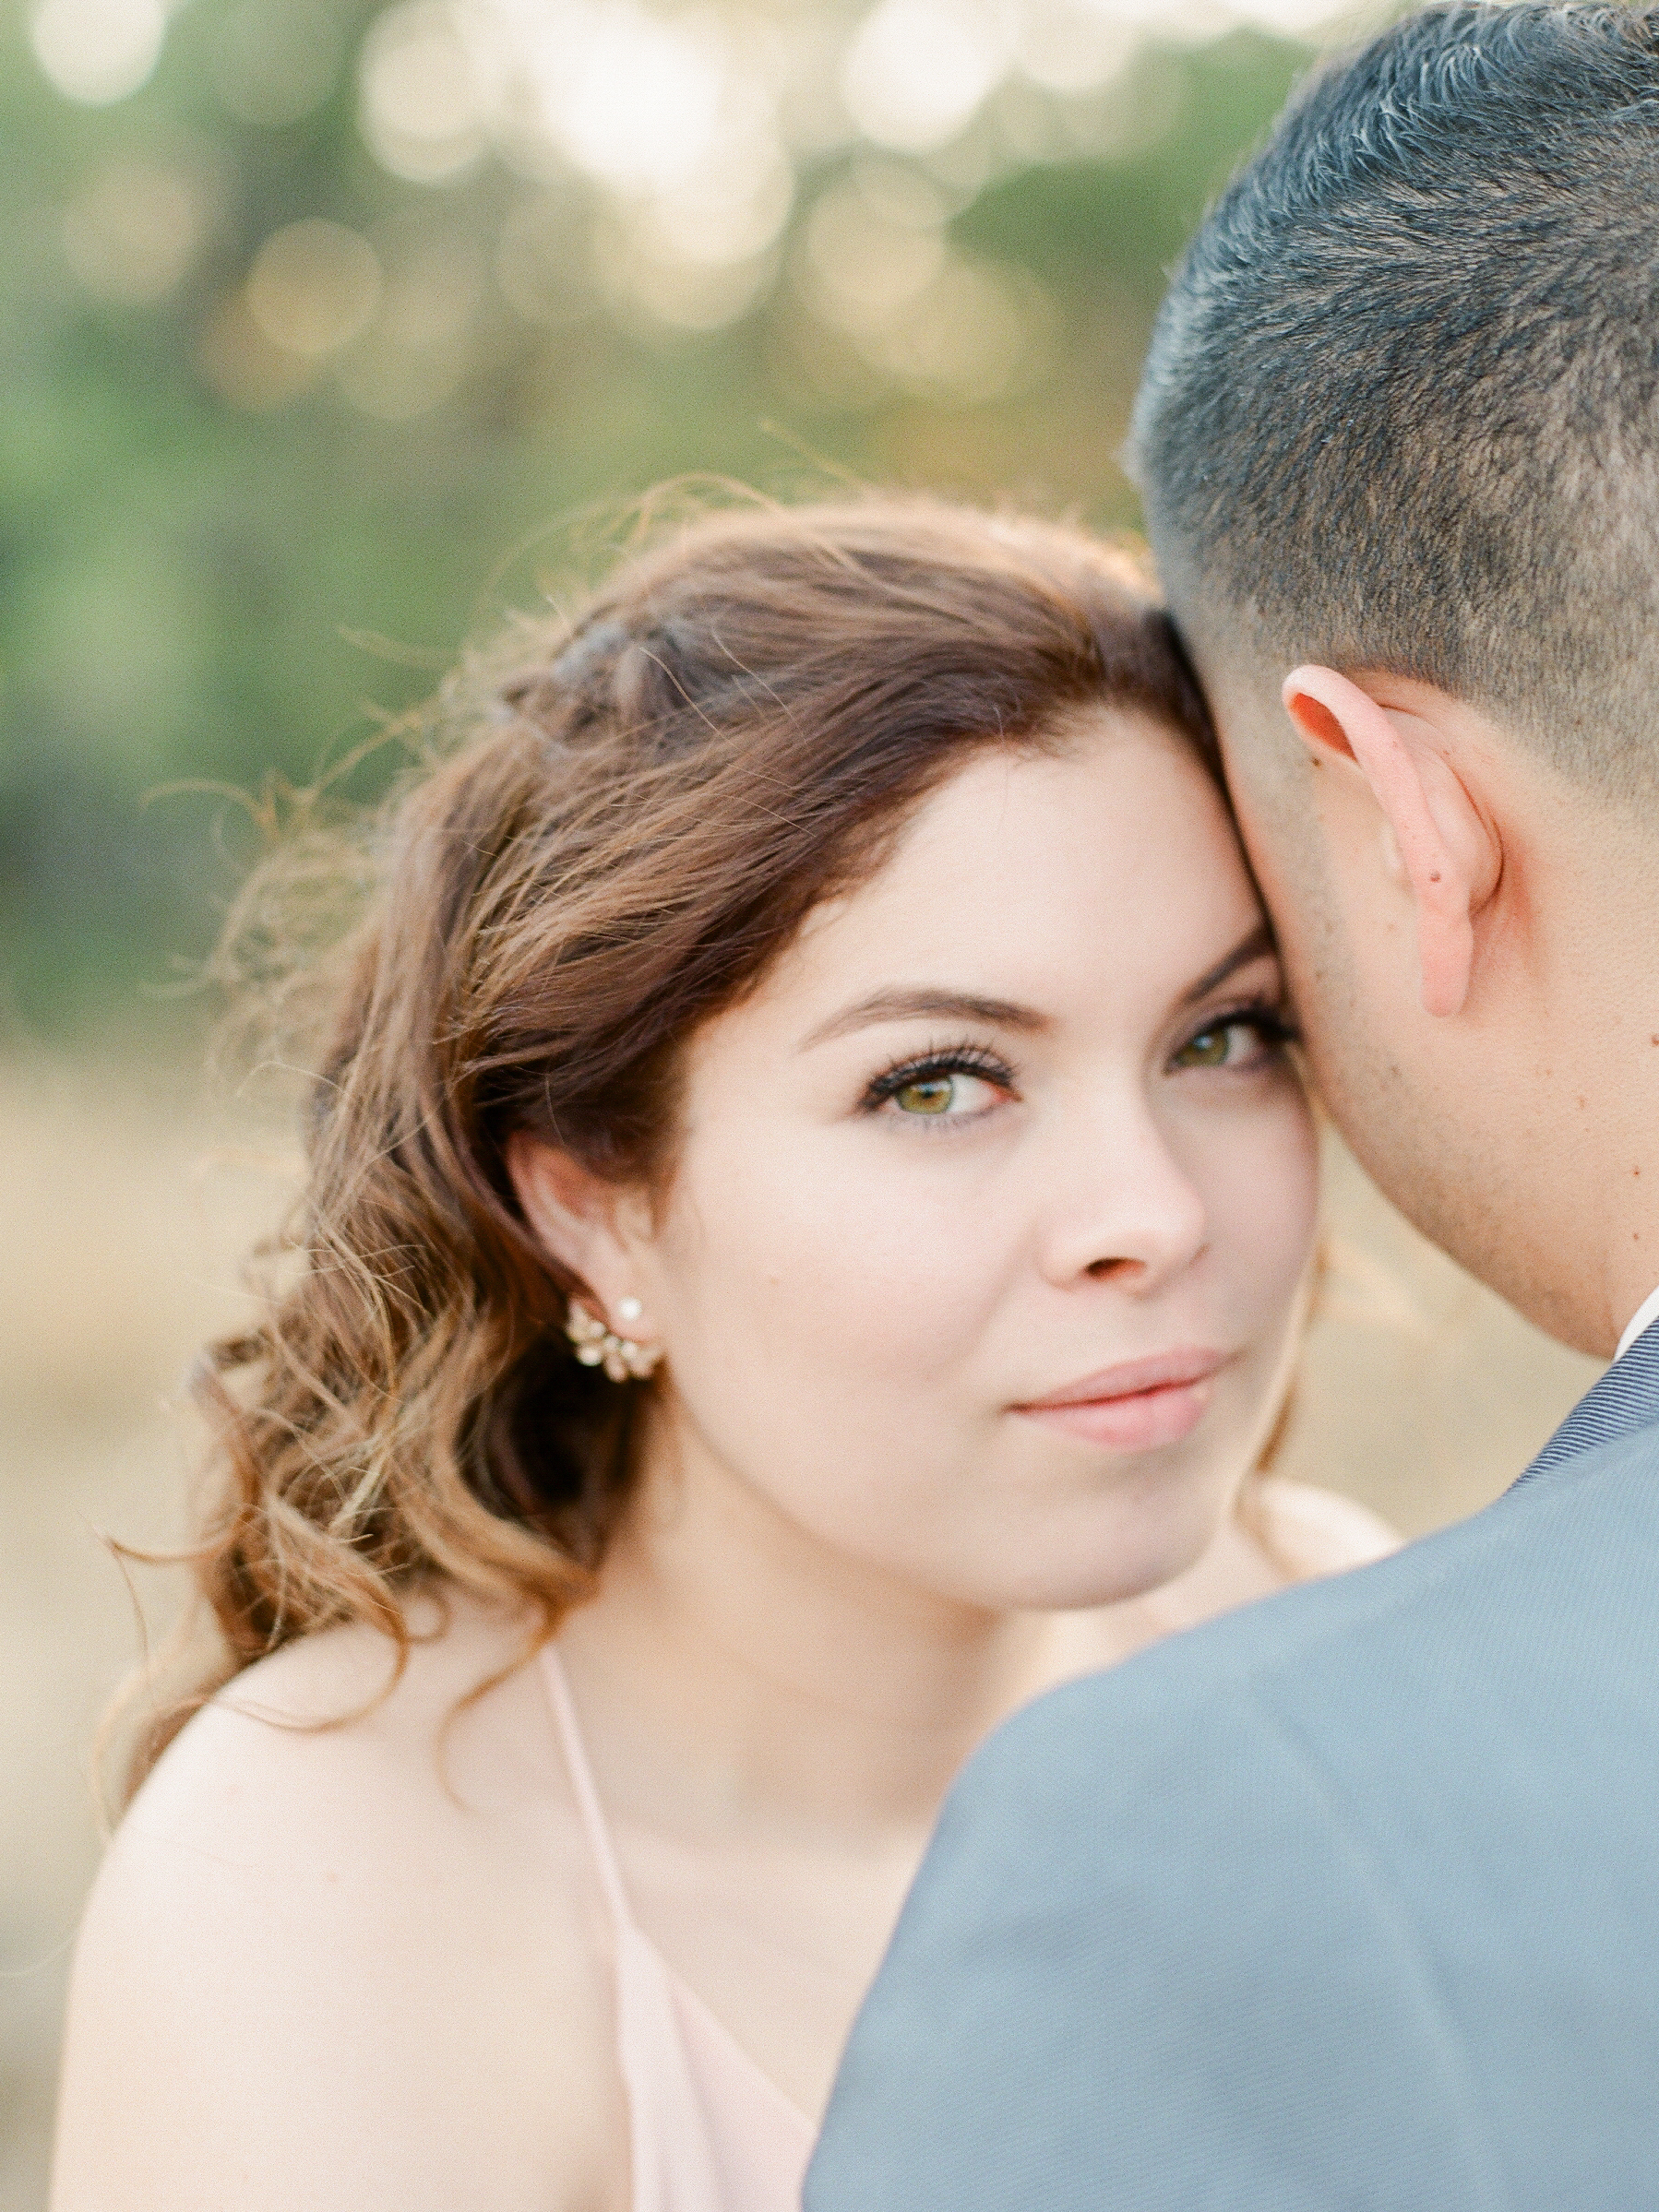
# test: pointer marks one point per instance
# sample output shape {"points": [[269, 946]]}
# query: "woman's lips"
{"points": [[1136, 1407]]}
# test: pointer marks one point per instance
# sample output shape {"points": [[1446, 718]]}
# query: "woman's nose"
{"points": [[1127, 1210]]}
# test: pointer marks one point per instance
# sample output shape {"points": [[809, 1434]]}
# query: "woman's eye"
{"points": [[943, 1095], [1234, 1043]]}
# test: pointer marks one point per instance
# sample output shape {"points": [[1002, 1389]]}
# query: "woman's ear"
{"points": [[578, 1219], [1434, 836]]}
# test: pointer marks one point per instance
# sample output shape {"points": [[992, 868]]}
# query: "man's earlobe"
{"points": [[1431, 833]]}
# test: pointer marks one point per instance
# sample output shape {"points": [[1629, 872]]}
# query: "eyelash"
{"points": [[927, 1067]]}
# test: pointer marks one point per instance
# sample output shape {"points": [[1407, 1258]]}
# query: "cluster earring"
{"points": [[597, 1346]]}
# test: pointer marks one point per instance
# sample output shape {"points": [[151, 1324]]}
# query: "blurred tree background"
{"points": [[322, 321]]}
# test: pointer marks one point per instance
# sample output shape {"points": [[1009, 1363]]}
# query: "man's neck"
{"points": [[1587, 1074]]}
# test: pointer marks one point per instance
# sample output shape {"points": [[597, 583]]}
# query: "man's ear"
{"points": [[582, 1221], [1438, 840]]}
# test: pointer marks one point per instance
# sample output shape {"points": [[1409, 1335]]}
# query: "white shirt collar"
{"points": [[1645, 1314]]}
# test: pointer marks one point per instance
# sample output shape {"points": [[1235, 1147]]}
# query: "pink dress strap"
{"points": [[708, 2129]]}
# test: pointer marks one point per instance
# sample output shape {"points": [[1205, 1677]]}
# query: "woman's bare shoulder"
{"points": [[1320, 1531], [347, 1741], [304, 1919]]}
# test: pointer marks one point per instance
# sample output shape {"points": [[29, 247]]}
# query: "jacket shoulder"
{"points": [[1296, 1897]]}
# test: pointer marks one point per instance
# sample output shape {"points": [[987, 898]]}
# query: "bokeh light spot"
{"points": [[313, 286], [650, 292], [917, 70], [1071, 45], [132, 230], [423, 106], [863, 266], [633, 98], [979, 333], [98, 51]]}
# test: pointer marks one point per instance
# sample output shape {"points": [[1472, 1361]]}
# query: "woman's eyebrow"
{"points": [[1257, 946], [906, 1006]]}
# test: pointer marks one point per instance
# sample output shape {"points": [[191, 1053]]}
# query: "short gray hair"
{"points": [[1401, 406]]}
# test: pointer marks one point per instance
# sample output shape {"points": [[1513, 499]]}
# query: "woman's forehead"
{"points": [[1108, 870]]}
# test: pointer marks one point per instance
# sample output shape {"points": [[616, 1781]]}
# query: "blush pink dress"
{"points": [[709, 2131]]}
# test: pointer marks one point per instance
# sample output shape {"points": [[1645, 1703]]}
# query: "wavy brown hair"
{"points": [[624, 818]]}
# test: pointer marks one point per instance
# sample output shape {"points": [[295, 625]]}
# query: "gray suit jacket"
{"points": [[1348, 1900]]}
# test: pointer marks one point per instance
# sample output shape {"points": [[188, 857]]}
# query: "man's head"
{"points": [[1399, 437]]}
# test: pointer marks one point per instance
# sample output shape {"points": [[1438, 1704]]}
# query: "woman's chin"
{"points": [[1076, 1580]]}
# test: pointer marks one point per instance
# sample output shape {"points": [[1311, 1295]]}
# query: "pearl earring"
{"points": [[597, 1346]]}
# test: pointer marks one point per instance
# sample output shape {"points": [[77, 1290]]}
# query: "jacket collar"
{"points": [[1626, 1399]]}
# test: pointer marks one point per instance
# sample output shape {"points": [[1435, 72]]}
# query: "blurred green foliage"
{"points": [[203, 534]]}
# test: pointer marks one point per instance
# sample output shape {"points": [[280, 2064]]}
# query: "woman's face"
{"points": [[983, 1247]]}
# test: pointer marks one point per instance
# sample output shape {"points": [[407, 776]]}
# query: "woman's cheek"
{"points": [[846, 1293], [823, 1361], [883, 1270]]}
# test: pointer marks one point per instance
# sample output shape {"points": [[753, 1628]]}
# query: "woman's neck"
{"points": [[737, 1671], [738, 1665]]}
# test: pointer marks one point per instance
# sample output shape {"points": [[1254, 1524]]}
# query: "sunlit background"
{"points": [[329, 329], [316, 315]]}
